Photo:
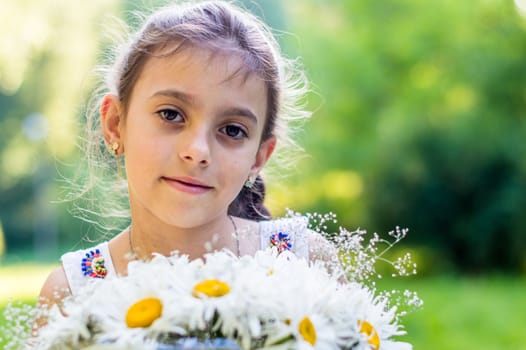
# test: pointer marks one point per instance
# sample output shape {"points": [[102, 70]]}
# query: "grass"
{"points": [[467, 313], [22, 281], [459, 313]]}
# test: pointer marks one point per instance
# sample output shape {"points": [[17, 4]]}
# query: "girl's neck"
{"points": [[146, 237]]}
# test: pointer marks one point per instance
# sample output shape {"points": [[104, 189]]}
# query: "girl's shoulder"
{"points": [[86, 265]]}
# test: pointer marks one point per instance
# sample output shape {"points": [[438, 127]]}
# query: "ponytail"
{"points": [[249, 202]]}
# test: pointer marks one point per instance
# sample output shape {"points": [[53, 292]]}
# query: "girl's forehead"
{"points": [[203, 74], [226, 64]]}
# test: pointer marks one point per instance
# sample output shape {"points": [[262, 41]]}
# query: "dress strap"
{"points": [[87, 265], [286, 234]]}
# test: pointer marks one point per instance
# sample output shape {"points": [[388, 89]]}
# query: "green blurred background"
{"points": [[420, 120]]}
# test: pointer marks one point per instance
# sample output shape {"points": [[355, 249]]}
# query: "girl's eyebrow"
{"points": [[187, 98], [239, 111], [190, 99]]}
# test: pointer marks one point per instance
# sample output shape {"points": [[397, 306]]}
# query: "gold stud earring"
{"points": [[115, 148]]}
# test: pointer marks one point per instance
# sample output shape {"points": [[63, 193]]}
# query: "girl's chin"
{"points": [[186, 219]]}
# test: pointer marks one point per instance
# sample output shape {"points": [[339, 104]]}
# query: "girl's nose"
{"points": [[195, 148]]}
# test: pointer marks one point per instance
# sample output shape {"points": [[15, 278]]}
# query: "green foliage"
{"points": [[44, 64], [458, 196], [426, 102], [2, 240]]}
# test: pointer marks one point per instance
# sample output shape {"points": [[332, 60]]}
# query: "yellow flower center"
{"points": [[211, 288], [372, 335], [307, 330], [144, 312]]}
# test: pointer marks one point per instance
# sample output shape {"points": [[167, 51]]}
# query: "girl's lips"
{"points": [[188, 185]]}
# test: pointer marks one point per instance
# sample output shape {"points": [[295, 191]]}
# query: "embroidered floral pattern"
{"points": [[281, 241], [93, 265]]}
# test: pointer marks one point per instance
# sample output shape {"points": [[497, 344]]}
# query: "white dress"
{"points": [[95, 263]]}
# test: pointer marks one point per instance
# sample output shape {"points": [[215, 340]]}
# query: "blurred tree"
{"points": [[46, 53], [424, 111], [2, 241]]}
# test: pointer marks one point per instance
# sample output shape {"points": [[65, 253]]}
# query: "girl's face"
{"points": [[192, 136]]}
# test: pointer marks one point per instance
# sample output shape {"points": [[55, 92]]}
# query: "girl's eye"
{"points": [[170, 115], [234, 131]]}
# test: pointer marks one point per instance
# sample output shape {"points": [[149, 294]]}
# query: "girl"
{"points": [[195, 105]]}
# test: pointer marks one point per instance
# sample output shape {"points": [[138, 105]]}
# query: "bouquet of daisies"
{"points": [[272, 300], [266, 301]]}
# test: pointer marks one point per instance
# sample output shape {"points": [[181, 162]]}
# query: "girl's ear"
{"points": [[111, 121], [265, 151]]}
